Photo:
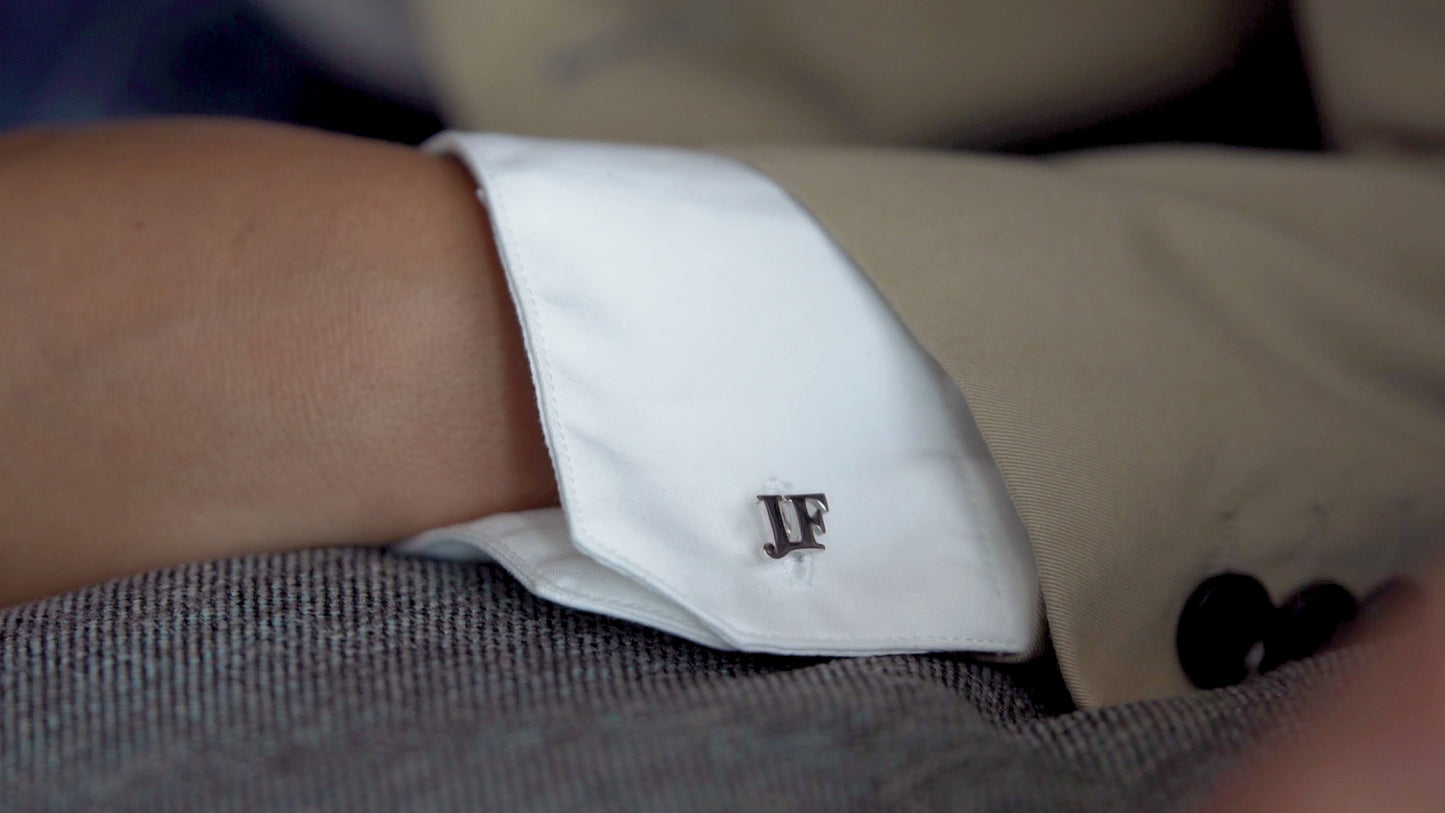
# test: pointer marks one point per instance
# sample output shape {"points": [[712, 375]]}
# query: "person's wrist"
{"points": [[226, 338], [446, 427], [396, 387]]}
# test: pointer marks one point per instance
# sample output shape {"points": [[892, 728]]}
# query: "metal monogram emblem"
{"points": [[807, 511]]}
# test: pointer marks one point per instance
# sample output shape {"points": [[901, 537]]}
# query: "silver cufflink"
{"points": [[806, 512]]}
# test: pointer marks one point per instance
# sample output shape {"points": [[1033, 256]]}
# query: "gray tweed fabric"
{"points": [[363, 680]]}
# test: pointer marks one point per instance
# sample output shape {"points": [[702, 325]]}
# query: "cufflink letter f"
{"points": [[807, 511]]}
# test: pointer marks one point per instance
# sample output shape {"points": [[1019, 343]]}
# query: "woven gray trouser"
{"points": [[362, 680]]}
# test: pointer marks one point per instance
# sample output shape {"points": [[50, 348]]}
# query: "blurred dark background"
{"points": [[83, 60]]}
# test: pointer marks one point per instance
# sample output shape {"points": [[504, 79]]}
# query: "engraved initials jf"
{"points": [[807, 513]]}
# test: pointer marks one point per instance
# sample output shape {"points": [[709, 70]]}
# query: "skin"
{"points": [[1378, 745], [220, 338]]}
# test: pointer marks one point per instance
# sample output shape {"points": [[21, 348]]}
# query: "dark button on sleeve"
{"points": [[1225, 618], [1307, 622]]}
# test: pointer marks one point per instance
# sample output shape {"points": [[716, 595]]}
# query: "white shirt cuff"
{"points": [[696, 342]]}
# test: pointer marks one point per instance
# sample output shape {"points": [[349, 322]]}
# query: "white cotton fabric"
{"points": [[696, 340]]}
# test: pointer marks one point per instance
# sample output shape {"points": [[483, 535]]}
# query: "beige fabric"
{"points": [[703, 71], [1184, 362], [1379, 71]]}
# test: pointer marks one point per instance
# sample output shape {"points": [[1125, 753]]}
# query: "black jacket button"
{"points": [[1307, 622], [1225, 618]]}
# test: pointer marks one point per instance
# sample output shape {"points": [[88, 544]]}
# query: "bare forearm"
{"points": [[221, 338]]}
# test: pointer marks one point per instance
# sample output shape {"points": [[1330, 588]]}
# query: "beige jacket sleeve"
{"points": [[1378, 70], [900, 71], [1185, 361]]}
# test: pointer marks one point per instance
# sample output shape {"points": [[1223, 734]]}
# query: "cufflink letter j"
{"points": [[807, 511]]}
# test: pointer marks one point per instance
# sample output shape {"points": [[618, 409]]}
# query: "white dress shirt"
{"points": [[702, 351]]}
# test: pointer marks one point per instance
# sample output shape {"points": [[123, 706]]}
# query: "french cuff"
{"points": [[752, 451]]}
